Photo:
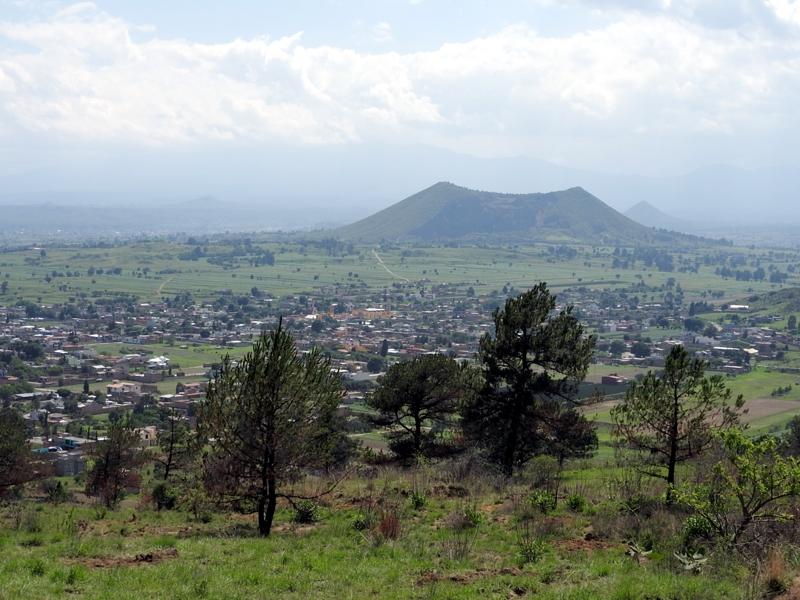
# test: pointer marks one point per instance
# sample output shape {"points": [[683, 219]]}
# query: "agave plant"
{"points": [[638, 553], [691, 562]]}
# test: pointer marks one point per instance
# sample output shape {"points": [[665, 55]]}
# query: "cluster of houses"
{"points": [[406, 320]]}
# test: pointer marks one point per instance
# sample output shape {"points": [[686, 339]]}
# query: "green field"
{"points": [[152, 269], [192, 357]]}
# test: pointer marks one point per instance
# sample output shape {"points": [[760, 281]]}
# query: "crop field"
{"points": [[154, 269]]}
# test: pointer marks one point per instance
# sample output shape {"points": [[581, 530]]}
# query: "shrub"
{"points": [[306, 511], [631, 487], [542, 500], [164, 497], [530, 546], [418, 500], [196, 501], [54, 491], [28, 520], [366, 517], [472, 515], [530, 550], [751, 484], [696, 527], [389, 525], [462, 529], [576, 503], [543, 472]]}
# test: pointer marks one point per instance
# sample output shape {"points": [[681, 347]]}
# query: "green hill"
{"points": [[447, 212]]}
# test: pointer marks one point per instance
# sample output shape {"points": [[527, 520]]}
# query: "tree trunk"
{"points": [[168, 464], [272, 502], [267, 503], [263, 526], [673, 452], [511, 446]]}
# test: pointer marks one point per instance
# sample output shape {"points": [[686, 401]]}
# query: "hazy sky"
{"points": [[643, 87]]}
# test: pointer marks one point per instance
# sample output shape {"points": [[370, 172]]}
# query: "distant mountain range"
{"points": [[446, 211], [202, 215], [305, 185]]}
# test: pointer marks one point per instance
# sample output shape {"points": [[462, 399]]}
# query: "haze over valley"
{"points": [[267, 189]]}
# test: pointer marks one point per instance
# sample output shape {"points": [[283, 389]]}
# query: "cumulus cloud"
{"points": [[786, 10], [84, 74]]}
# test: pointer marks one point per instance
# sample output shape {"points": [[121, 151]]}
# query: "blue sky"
{"points": [[414, 25], [650, 87]]}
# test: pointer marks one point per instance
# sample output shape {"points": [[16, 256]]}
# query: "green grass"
{"points": [[759, 383], [195, 355], [330, 559]]}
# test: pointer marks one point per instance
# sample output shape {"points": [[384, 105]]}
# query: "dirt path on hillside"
{"points": [[388, 270], [161, 287]]}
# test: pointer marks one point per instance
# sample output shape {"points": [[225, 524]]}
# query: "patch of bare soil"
{"points": [[589, 545], [295, 528], [793, 593], [765, 407], [450, 491], [146, 558]]}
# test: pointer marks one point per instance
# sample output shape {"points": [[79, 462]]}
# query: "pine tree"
{"points": [[270, 415], [532, 366], [415, 398], [669, 417]]}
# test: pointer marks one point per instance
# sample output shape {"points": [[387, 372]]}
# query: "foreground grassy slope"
{"points": [[77, 552]]}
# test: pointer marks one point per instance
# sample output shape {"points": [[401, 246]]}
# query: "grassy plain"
{"points": [[152, 269]]}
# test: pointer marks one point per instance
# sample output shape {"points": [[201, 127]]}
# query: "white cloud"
{"points": [[722, 14], [382, 32], [786, 10], [642, 77]]}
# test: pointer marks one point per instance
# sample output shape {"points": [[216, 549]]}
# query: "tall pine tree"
{"points": [[532, 367]]}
